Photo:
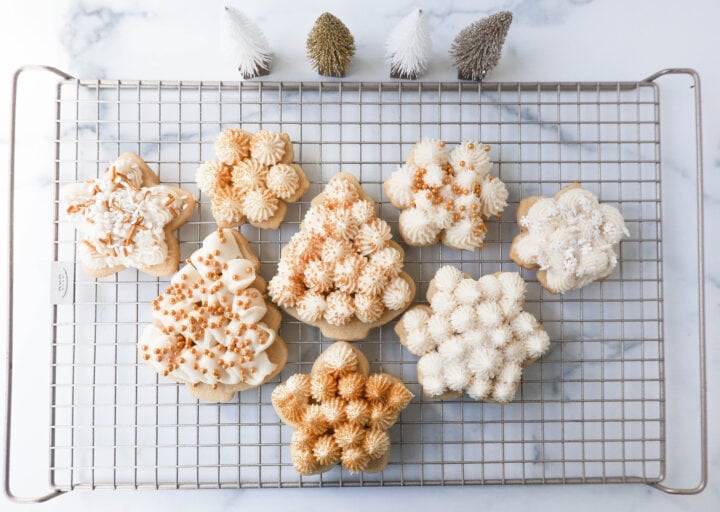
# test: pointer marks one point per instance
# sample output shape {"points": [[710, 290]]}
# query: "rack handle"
{"points": [[9, 352], [701, 285]]}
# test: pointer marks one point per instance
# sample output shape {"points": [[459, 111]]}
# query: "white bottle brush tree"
{"points": [[408, 46], [250, 49]]}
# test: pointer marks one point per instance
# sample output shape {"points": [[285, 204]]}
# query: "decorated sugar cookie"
{"points": [[446, 195], [252, 179], [340, 413], [212, 328], [569, 238], [474, 337], [127, 219], [342, 272]]}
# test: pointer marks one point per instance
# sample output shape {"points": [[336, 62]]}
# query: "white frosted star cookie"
{"points": [[127, 219]]}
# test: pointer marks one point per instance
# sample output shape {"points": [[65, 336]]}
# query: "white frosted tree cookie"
{"points": [[212, 329], [342, 272], [569, 238], [474, 337], [252, 179], [446, 195], [340, 413], [127, 219]]}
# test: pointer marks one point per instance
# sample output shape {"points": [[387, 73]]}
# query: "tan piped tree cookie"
{"points": [[127, 219], [569, 238], [340, 413], [252, 179], [342, 272], [212, 328], [474, 337], [446, 195]]}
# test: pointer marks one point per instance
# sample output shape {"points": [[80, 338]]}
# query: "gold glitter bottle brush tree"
{"points": [[330, 46]]}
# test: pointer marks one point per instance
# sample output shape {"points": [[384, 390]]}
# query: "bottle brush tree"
{"points": [[330, 46], [250, 51], [408, 46], [476, 49]]}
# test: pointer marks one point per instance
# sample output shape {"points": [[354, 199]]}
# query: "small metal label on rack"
{"points": [[63, 277]]}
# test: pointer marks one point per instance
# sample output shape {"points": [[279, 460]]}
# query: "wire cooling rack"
{"points": [[591, 410]]}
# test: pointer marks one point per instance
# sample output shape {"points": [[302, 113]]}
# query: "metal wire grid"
{"points": [[591, 410]]}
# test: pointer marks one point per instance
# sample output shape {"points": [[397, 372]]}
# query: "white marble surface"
{"points": [[549, 40]]}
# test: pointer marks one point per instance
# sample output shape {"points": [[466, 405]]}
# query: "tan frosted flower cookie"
{"points": [[252, 179], [569, 238], [212, 328], [127, 219], [342, 272], [474, 337], [446, 195], [340, 413]]}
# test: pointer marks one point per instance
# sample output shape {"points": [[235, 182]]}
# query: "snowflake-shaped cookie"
{"points": [[340, 413], [474, 337], [127, 219], [445, 195], [252, 178], [212, 329], [342, 272], [569, 238]]}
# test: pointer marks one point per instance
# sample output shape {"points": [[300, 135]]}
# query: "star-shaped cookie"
{"points": [[340, 413], [127, 219]]}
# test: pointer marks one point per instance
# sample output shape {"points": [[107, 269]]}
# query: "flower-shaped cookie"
{"points": [[127, 219], [446, 195], [212, 329], [474, 337], [342, 272], [252, 178], [340, 413], [569, 238]]}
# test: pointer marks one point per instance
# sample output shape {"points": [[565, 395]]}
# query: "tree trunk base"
{"points": [[261, 72]]}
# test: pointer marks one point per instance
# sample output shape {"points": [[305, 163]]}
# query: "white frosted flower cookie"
{"points": [[212, 329], [569, 238], [252, 179], [474, 337], [340, 413], [127, 219], [446, 195], [342, 272]]}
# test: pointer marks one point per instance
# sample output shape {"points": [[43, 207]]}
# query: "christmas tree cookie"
{"points": [[342, 272]]}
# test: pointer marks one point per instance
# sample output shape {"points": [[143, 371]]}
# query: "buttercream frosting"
{"points": [[267, 147]]}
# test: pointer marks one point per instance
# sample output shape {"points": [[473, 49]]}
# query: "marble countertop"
{"points": [[550, 40]]}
